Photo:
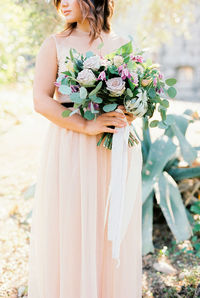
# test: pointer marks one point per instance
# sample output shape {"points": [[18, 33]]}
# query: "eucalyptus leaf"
{"points": [[75, 97], [66, 113], [89, 115], [165, 103], [83, 93], [154, 123], [129, 92], [171, 92], [97, 100], [110, 107], [64, 81], [98, 87], [151, 92], [171, 81], [65, 90]]}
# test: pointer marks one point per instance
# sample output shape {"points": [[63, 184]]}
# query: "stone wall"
{"points": [[181, 60]]}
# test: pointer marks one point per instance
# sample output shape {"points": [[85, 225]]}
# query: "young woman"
{"points": [[70, 254]]}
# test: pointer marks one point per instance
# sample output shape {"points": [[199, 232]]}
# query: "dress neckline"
{"points": [[81, 31]]}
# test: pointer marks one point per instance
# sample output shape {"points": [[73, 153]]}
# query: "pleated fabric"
{"points": [[70, 256]]}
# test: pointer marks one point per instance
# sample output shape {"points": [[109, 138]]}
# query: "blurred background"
{"points": [[169, 31]]}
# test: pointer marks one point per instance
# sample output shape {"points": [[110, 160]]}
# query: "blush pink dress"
{"points": [[70, 255]]}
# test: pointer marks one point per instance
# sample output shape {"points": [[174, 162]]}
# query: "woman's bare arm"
{"points": [[43, 91]]}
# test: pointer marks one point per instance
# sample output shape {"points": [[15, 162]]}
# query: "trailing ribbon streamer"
{"points": [[117, 187]]}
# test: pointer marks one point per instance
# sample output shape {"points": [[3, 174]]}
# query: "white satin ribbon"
{"points": [[117, 189]]}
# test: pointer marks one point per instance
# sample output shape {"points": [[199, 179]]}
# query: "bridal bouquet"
{"points": [[97, 84]]}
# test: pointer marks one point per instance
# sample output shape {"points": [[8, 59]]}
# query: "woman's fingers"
{"points": [[113, 114], [129, 116], [112, 130], [114, 122]]}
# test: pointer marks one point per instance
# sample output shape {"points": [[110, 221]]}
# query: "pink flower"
{"points": [[155, 82], [124, 72], [57, 84], [134, 78], [102, 76], [137, 58]]}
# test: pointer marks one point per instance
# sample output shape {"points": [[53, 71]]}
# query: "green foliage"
{"points": [[24, 26], [160, 174], [171, 92], [195, 208], [110, 107], [66, 113], [171, 82], [28, 23], [89, 115], [83, 93]]}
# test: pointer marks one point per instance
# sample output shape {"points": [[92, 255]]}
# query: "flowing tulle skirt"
{"points": [[70, 256]]}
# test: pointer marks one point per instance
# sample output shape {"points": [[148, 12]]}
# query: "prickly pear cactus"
{"points": [[138, 105]]}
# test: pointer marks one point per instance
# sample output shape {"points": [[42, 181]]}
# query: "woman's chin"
{"points": [[69, 19]]}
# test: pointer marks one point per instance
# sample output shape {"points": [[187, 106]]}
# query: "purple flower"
{"points": [[74, 88], [124, 72], [137, 58], [160, 76], [95, 105], [159, 90], [102, 76]]}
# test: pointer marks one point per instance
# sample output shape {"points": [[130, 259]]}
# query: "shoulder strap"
{"points": [[56, 43]]}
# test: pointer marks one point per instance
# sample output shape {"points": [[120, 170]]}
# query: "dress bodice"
{"points": [[80, 41]]}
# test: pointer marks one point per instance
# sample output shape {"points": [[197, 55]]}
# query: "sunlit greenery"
{"points": [[25, 23]]}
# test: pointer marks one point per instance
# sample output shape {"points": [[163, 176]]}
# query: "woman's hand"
{"points": [[129, 116], [101, 123]]}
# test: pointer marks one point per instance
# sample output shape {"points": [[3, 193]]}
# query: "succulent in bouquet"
{"points": [[97, 84]]}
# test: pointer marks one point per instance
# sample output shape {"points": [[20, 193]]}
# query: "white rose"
{"points": [[93, 62], [116, 86], [86, 78], [118, 60]]}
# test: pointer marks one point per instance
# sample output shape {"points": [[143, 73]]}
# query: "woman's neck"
{"points": [[85, 26]]}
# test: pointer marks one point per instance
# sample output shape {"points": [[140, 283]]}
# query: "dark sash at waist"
{"points": [[68, 104]]}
